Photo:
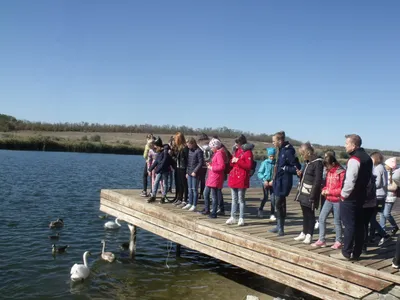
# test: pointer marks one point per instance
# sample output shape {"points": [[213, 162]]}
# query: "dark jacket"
{"points": [[309, 189], [163, 161], [195, 161], [182, 158], [286, 165], [361, 164]]}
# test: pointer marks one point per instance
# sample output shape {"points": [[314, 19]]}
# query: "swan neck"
{"points": [[85, 259], [116, 222], [104, 247]]}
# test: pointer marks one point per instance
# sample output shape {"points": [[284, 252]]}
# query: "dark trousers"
{"points": [[145, 175], [351, 214], [396, 259], [367, 215], [308, 219], [181, 184], [201, 176], [280, 207]]}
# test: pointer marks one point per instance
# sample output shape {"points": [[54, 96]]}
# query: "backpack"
{"points": [[371, 189], [253, 168]]}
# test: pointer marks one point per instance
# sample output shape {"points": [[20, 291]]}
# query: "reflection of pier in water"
{"points": [[253, 248]]}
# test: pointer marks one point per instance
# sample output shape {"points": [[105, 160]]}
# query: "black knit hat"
{"points": [[158, 142]]}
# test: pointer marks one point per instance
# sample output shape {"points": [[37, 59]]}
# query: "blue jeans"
{"points": [[323, 215], [386, 215], [238, 198], [192, 187], [159, 176], [265, 199], [216, 200], [206, 194]]}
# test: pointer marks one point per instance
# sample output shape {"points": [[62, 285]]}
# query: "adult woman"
{"points": [[309, 191], [239, 178]]}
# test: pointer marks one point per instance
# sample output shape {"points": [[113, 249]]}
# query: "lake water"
{"points": [[37, 187]]}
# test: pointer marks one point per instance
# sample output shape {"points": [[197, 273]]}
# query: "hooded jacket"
{"points": [[286, 165], [266, 170], [239, 176], [195, 161], [334, 183], [309, 190], [163, 161], [216, 174]]}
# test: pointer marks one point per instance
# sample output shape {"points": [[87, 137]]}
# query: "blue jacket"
{"points": [[195, 161], [286, 165], [266, 170], [163, 162]]}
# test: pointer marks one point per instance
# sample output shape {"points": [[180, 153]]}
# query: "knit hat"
{"points": [[214, 143], [158, 142], [391, 163], [271, 151]]}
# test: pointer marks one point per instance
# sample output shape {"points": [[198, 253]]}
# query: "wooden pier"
{"points": [[253, 248]]}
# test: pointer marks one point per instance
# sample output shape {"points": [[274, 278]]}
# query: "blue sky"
{"points": [[316, 69]]}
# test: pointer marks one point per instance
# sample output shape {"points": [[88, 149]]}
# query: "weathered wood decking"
{"points": [[253, 248]]}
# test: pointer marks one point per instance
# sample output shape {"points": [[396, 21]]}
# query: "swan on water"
{"points": [[112, 224], [56, 249], [80, 272], [108, 256], [57, 224]]}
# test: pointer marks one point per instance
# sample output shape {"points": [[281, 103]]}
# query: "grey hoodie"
{"points": [[381, 181]]}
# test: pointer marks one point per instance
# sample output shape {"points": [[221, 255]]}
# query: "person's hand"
{"points": [[299, 173], [187, 176], [271, 183], [235, 159], [193, 174], [324, 193], [149, 173], [266, 184]]}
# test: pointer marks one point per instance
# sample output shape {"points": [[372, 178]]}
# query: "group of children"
{"points": [[200, 168]]}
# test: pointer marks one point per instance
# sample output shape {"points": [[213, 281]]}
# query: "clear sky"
{"points": [[316, 69]]}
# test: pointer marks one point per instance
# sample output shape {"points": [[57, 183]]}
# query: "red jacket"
{"points": [[239, 176], [334, 183], [216, 174]]}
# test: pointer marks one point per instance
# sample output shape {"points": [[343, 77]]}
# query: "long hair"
{"points": [[180, 141], [192, 142]]}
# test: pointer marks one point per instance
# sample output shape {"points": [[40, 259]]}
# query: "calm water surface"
{"points": [[37, 187]]}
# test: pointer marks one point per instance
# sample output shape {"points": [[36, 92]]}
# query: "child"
{"points": [[162, 166], [149, 140], [152, 156], [195, 163], [265, 174], [390, 165]]}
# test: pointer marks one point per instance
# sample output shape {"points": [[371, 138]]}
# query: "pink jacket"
{"points": [[216, 174]]}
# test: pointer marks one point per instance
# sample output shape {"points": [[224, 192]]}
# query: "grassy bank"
{"points": [[41, 143]]}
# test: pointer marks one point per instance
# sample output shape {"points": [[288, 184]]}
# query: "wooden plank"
{"points": [[344, 270], [232, 259], [314, 277], [233, 238]]}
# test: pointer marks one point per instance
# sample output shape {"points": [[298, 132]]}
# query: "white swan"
{"points": [[112, 224], [80, 272], [108, 256]]}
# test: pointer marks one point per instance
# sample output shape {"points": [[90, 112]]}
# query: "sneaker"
{"points": [[192, 208], [221, 213], [384, 240], [307, 239], [394, 231], [230, 221], [272, 218], [274, 230], [241, 222], [316, 226], [178, 202], [211, 216], [144, 194], [394, 265], [183, 203], [205, 212], [301, 237], [260, 213], [163, 200], [151, 199], [337, 245], [319, 243], [187, 206]]}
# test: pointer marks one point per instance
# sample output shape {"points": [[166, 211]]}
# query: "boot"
{"points": [[281, 222], [151, 199], [163, 200]]}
